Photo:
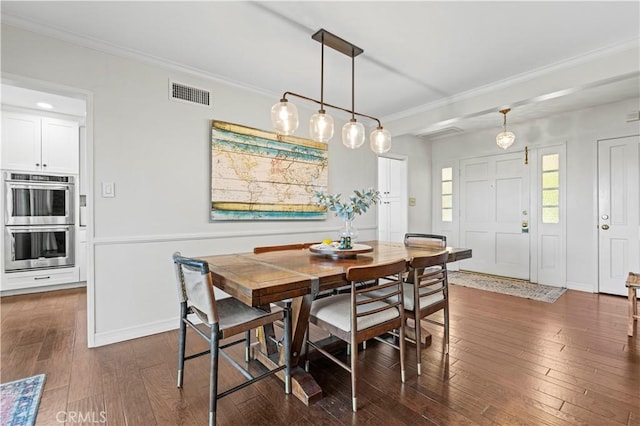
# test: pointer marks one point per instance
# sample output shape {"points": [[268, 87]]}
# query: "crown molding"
{"points": [[121, 51], [518, 79]]}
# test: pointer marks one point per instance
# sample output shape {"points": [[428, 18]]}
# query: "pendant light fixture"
{"points": [[353, 132], [284, 115], [321, 123], [505, 139]]}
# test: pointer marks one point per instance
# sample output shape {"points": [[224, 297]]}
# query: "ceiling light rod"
{"points": [[284, 98], [336, 43]]}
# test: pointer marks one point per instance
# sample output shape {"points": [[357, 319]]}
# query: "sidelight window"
{"points": [[447, 194], [551, 188]]}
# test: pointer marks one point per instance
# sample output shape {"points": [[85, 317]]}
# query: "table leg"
{"points": [[303, 385], [425, 336]]}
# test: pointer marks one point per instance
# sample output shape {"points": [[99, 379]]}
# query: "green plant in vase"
{"points": [[347, 210]]}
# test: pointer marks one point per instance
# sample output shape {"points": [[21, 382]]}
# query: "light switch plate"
{"points": [[108, 189], [412, 202]]}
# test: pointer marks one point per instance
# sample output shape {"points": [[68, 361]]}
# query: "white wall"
{"points": [[581, 130], [418, 152], [157, 151]]}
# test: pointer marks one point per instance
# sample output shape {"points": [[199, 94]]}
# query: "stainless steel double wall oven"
{"points": [[39, 221]]}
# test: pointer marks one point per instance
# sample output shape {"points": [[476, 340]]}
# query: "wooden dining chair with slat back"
{"points": [[432, 241], [357, 316], [426, 293], [218, 320]]}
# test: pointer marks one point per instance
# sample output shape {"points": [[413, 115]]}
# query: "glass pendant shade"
{"points": [[380, 140], [321, 126], [505, 139], [353, 134], [284, 117]]}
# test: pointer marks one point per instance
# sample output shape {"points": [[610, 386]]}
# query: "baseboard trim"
{"points": [[588, 288], [42, 289], [107, 338]]}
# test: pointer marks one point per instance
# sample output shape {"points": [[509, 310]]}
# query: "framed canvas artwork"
{"points": [[259, 175]]}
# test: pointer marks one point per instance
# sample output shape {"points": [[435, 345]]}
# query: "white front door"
{"points": [[494, 207], [618, 210]]}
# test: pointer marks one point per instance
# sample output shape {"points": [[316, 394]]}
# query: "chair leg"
{"points": [[247, 346], [287, 349], [213, 381], [402, 345], [446, 328], [633, 310], [182, 340], [418, 334], [354, 375], [306, 350]]}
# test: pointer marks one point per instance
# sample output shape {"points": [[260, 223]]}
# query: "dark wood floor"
{"points": [[513, 361]]}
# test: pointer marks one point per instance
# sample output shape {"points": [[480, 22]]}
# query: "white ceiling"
{"points": [[415, 53]]}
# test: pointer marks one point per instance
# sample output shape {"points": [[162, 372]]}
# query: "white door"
{"points": [[494, 214], [392, 211], [618, 210]]}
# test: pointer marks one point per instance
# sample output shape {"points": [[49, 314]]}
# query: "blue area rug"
{"points": [[19, 401], [510, 286]]}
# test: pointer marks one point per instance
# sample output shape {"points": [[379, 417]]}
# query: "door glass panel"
{"points": [[550, 180], [447, 173], [550, 197], [550, 162], [550, 215]]}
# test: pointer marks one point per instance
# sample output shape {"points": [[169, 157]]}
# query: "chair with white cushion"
{"points": [[357, 316], [427, 292], [221, 319]]}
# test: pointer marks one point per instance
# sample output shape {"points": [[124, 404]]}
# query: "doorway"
{"points": [[392, 209], [618, 212], [494, 214]]}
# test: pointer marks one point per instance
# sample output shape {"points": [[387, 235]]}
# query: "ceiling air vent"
{"points": [[182, 92]]}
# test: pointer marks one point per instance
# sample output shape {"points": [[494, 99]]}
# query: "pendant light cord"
{"points": [[322, 76], [353, 84]]}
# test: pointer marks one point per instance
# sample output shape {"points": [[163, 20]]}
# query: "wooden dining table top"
{"points": [[260, 279]]}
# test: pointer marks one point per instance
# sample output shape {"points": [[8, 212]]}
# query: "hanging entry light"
{"points": [[284, 115], [505, 139]]}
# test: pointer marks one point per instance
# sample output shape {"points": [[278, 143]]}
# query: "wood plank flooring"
{"points": [[513, 361]]}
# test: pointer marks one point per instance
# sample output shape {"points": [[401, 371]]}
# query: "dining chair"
{"points": [[356, 316], [426, 293], [425, 240], [632, 284], [433, 241], [218, 320]]}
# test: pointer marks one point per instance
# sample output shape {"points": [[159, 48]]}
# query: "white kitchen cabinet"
{"points": [[39, 144], [39, 278]]}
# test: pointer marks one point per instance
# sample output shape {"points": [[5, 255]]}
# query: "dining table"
{"points": [[297, 276]]}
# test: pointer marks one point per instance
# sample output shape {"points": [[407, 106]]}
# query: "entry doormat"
{"points": [[19, 401], [510, 286]]}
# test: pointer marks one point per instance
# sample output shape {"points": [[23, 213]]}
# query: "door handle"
{"points": [[605, 227]]}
